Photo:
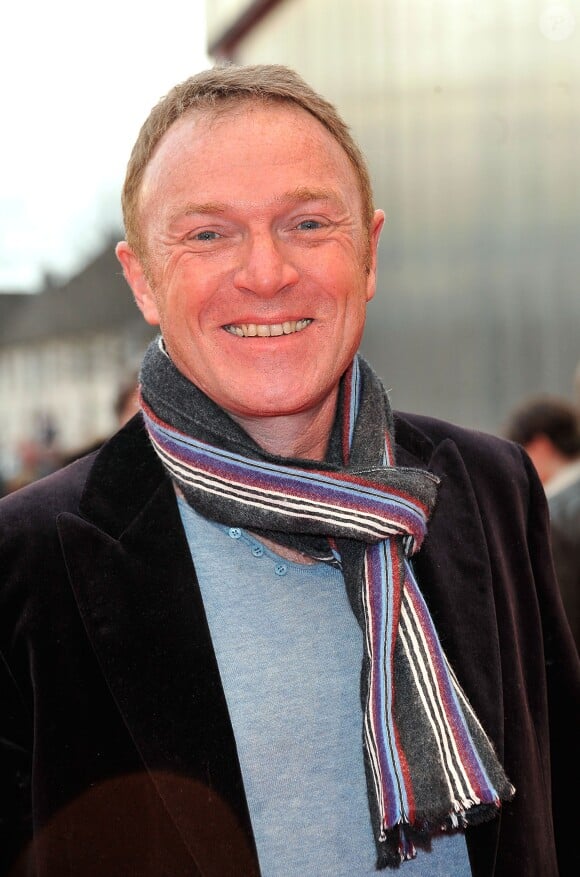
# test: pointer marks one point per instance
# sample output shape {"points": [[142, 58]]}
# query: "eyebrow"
{"points": [[304, 193], [299, 194]]}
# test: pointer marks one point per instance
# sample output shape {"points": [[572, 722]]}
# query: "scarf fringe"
{"points": [[400, 843]]}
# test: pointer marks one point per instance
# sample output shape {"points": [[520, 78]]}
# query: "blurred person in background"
{"points": [[34, 461], [125, 405], [127, 399], [273, 627], [37, 454], [548, 428]]}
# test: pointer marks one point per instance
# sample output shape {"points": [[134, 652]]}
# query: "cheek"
{"points": [[189, 314]]}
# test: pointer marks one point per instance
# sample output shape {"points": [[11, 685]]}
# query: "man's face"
{"points": [[257, 258]]}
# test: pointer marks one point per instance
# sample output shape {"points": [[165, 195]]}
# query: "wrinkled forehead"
{"points": [[203, 135]]}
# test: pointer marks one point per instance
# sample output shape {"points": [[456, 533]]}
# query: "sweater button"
{"points": [[280, 569]]}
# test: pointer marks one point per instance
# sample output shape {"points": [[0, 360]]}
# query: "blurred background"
{"points": [[469, 115]]}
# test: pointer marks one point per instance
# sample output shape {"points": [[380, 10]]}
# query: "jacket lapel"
{"points": [[454, 573], [453, 570], [133, 579]]}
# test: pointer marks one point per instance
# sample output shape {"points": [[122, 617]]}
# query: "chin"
{"points": [[273, 410], [280, 405]]}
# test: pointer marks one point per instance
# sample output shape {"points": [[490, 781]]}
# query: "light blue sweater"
{"points": [[289, 650]]}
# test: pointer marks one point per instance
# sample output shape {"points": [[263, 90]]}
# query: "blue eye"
{"points": [[309, 224], [206, 236]]}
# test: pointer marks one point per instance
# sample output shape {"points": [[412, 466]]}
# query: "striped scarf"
{"points": [[430, 767]]}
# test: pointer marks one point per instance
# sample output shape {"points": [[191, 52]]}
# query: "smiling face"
{"points": [[258, 266]]}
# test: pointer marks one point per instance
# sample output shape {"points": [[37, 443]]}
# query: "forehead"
{"points": [[230, 147]]}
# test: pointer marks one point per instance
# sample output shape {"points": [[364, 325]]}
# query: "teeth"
{"points": [[265, 330]]}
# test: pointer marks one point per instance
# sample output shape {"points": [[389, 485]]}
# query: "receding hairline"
{"points": [[231, 108], [223, 90]]}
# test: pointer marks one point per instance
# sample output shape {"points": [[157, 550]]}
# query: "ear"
{"points": [[135, 277], [544, 455], [375, 233]]}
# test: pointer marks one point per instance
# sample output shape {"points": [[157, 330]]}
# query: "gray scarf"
{"points": [[430, 766]]}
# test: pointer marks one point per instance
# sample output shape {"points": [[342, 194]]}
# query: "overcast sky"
{"points": [[76, 82]]}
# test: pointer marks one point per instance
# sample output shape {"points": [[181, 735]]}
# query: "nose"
{"points": [[265, 268]]}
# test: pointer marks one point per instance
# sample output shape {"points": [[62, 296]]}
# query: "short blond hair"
{"points": [[219, 89]]}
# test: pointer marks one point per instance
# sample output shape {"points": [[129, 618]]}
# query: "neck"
{"points": [[304, 435]]}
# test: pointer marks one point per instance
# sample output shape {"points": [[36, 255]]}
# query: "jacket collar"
{"points": [[129, 469]]}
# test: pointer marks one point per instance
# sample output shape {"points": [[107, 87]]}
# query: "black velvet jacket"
{"points": [[117, 756]]}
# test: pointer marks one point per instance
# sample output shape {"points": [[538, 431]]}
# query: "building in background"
{"points": [[64, 353], [469, 115]]}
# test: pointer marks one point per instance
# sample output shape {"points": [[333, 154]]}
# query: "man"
{"points": [[270, 628], [548, 428]]}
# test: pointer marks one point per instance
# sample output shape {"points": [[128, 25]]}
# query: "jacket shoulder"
{"points": [[420, 433], [500, 473], [54, 493]]}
